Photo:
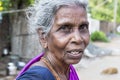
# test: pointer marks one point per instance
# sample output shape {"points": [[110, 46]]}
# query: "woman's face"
{"points": [[69, 35]]}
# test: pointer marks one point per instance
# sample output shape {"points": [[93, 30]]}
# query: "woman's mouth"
{"points": [[75, 54]]}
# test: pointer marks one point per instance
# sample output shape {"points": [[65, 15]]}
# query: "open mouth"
{"points": [[76, 53]]}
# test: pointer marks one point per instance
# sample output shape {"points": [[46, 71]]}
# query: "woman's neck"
{"points": [[60, 67]]}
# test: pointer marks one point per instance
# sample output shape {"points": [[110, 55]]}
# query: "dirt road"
{"points": [[90, 69]]}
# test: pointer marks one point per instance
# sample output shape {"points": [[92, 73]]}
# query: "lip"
{"points": [[75, 54]]}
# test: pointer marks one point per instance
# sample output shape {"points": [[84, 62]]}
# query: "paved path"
{"points": [[114, 45], [90, 69]]}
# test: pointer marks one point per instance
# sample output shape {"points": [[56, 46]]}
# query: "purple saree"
{"points": [[73, 74]]}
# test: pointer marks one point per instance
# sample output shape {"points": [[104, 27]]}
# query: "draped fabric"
{"points": [[72, 76]]}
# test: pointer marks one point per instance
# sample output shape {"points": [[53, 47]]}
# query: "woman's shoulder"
{"points": [[36, 73]]}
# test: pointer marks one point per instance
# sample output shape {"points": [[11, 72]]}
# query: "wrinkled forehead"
{"points": [[71, 11], [72, 5]]}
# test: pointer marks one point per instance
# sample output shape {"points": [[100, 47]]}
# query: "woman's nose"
{"points": [[77, 38]]}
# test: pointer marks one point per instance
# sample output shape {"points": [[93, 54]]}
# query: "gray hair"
{"points": [[41, 14]]}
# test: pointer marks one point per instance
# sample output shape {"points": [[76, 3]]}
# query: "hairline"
{"points": [[63, 6]]}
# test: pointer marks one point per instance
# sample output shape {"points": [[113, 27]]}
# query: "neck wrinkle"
{"points": [[58, 65]]}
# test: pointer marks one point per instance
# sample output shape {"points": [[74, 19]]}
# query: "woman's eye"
{"points": [[83, 27], [65, 28]]}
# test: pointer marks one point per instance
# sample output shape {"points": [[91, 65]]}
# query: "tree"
{"points": [[103, 10], [14, 4], [17, 23]]}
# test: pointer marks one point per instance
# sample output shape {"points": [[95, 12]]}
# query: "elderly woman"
{"points": [[62, 27]]}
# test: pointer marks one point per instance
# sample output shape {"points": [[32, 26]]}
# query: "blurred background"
{"points": [[19, 43]]}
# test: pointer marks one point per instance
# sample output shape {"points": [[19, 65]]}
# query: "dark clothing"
{"points": [[36, 73]]}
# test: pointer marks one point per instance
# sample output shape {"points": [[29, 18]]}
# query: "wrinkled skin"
{"points": [[67, 39]]}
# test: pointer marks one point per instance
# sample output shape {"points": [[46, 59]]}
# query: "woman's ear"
{"points": [[42, 37]]}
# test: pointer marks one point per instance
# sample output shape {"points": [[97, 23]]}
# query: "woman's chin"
{"points": [[74, 61]]}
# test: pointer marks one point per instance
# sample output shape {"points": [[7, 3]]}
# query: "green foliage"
{"points": [[5, 5], [11, 4], [118, 33], [118, 11], [99, 36], [103, 9], [31, 1]]}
